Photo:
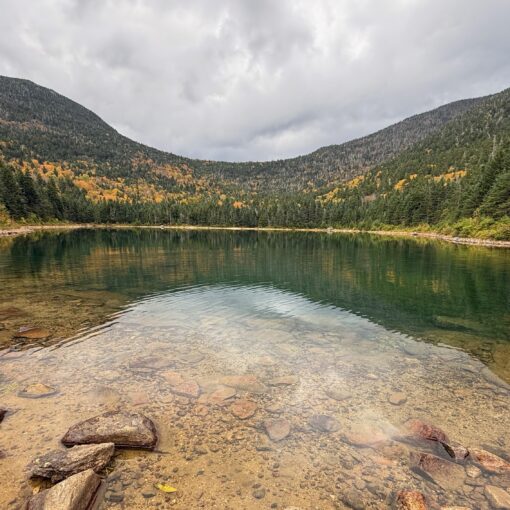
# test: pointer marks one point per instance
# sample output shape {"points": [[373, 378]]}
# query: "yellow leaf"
{"points": [[165, 488]]}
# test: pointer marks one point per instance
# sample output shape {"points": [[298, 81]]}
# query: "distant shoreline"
{"points": [[491, 243]]}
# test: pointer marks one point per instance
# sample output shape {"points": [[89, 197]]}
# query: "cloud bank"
{"points": [[256, 80]]}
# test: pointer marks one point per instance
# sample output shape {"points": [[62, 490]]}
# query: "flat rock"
{"points": [[10, 312], [324, 423], [498, 497], [243, 409], [244, 383], [489, 461], [79, 492], [132, 430], [398, 398], [277, 429], [60, 464], [286, 380], [37, 390], [32, 333], [338, 394], [173, 378], [416, 349], [188, 389], [419, 429], [455, 450], [446, 474], [410, 500], [149, 363], [366, 436], [219, 395]]}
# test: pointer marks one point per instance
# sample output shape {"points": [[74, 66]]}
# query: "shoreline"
{"points": [[434, 236]]}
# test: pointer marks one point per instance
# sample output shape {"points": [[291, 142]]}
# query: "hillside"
{"points": [[60, 160]]}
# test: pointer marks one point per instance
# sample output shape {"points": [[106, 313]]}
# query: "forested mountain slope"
{"points": [[451, 165]]}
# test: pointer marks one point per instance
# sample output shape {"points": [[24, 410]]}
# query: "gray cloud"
{"points": [[237, 80]]}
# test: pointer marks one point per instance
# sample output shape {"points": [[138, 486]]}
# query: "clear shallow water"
{"points": [[358, 316]]}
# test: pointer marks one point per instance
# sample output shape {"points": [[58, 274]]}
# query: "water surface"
{"points": [[357, 316]]}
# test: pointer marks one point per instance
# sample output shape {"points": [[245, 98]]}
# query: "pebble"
{"points": [[259, 493]]}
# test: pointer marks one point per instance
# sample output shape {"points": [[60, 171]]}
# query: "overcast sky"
{"points": [[257, 79]]}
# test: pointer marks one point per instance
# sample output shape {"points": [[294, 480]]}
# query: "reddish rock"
{"points": [[277, 429], [188, 389], [32, 333], [173, 378], [220, 395], [132, 430], [60, 464], [324, 423], [244, 383], [79, 492], [448, 475], [489, 461], [410, 500], [243, 409], [422, 430]]}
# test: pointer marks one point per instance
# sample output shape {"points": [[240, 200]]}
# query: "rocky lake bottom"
{"points": [[254, 397]]}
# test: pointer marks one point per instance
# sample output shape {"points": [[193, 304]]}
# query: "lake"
{"points": [[339, 343]]}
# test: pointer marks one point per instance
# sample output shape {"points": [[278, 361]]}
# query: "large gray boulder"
{"points": [[60, 464], [79, 492], [131, 430]]}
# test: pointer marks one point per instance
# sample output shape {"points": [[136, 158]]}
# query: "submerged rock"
{"points": [[286, 380], [398, 398], [498, 497], [32, 333], [188, 389], [366, 436], [338, 394], [37, 390], [410, 500], [455, 450], [173, 378], [219, 395], [489, 461], [419, 429], [448, 475], [243, 409], [324, 423], [3, 412], [10, 313], [79, 492], [132, 430], [277, 429], [60, 464], [244, 383]]}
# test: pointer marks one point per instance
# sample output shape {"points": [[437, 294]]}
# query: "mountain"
{"points": [[442, 166]]}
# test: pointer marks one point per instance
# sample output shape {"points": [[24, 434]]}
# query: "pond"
{"points": [[281, 370]]}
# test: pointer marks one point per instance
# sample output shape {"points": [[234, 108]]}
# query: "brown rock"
{"points": [[32, 333], [219, 395], [498, 497], [324, 423], [277, 429], [489, 461], [422, 430], [411, 500], [286, 380], [79, 492], [243, 409], [60, 464], [173, 378], [188, 389], [149, 363], [37, 390], [398, 398], [368, 435], [10, 312], [244, 383], [448, 475], [201, 410], [3, 412], [132, 430], [455, 450]]}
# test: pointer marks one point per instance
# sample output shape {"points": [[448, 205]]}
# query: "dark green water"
{"points": [[440, 292]]}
